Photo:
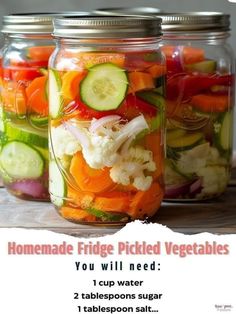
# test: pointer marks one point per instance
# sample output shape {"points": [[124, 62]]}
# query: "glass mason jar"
{"points": [[1, 111], [106, 84], [200, 104], [24, 154]]}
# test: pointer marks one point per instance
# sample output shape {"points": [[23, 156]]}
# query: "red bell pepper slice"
{"points": [[140, 106], [129, 109], [24, 74], [185, 86], [83, 111]]}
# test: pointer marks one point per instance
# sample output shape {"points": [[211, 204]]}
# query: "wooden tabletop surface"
{"points": [[216, 216]]}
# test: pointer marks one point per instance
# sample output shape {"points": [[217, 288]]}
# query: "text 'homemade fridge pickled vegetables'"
{"points": [[106, 128]]}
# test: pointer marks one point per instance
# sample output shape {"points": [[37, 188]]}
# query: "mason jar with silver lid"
{"points": [[200, 104], [106, 108], [24, 135]]}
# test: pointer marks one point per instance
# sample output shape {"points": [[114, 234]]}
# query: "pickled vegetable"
{"points": [[199, 124], [24, 156], [106, 137]]}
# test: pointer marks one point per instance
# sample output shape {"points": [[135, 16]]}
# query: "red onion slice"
{"points": [[177, 190], [196, 187], [96, 124], [78, 134], [30, 187]]}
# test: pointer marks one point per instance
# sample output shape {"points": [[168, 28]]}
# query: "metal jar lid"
{"points": [[195, 21], [127, 11], [33, 23], [107, 27]]}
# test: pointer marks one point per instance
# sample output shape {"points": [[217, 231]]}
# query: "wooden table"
{"points": [[217, 216]]}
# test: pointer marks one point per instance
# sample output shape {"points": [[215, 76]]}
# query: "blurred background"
{"points": [[13, 6]]}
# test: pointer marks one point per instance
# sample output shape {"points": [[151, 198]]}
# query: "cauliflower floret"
{"points": [[101, 152], [214, 158], [142, 183], [64, 143], [199, 157], [131, 167], [193, 160], [214, 180]]}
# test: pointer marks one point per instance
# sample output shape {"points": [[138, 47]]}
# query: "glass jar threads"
{"points": [[106, 107], [200, 104]]}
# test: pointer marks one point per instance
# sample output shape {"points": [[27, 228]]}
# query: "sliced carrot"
{"points": [[146, 203], [190, 54], [81, 199], [89, 179], [210, 103], [126, 188], [37, 95], [193, 55], [114, 201], [14, 99], [70, 84], [76, 214], [153, 143], [40, 53], [157, 70], [139, 81]]}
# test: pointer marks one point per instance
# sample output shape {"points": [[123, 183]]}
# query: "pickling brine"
{"points": [[106, 130]]}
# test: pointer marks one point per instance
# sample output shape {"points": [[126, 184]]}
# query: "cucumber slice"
{"points": [[174, 134], [152, 98], [223, 138], [44, 152], [185, 142], [105, 216], [207, 66], [55, 98], [26, 134], [21, 161], [38, 121], [57, 184], [104, 87]]}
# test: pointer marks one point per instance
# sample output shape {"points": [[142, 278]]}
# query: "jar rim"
{"points": [[34, 22], [195, 21], [107, 27], [128, 10]]}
